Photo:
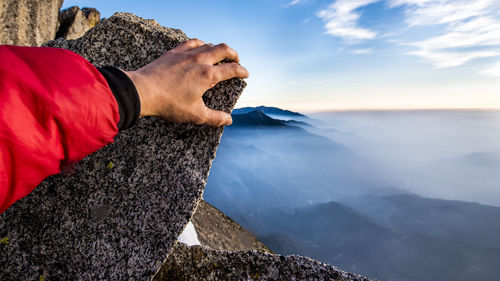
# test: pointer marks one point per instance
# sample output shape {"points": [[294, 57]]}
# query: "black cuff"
{"points": [[129, 104]]}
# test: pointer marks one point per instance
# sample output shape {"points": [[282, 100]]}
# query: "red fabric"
{"points": [[55, 109]]}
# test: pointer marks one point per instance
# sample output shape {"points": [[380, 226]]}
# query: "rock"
{"points": [[202, 263], [28, 22], [75, 22], [116, 221], [219, 232], [93, 16]]}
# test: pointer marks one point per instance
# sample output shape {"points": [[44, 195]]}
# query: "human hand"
{"points": [[172, 86]]}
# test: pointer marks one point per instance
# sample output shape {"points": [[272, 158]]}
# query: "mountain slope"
{"points": [[337, 234], [461, 221], [268, 110], [255, 118]]}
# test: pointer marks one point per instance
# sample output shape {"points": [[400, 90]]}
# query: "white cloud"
{"points": [[442, 59], [493, 70], [430, 12], [471, 29], [341, 20], [462, 30], [366, 51], [294, 2]]}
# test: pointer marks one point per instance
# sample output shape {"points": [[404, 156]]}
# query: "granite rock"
{"points": [[117, 213], [219, 232], [73, 22], [28, 22], [92, 15], [202, 263]]}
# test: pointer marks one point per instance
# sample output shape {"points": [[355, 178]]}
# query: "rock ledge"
{"points": [[116, 221]]}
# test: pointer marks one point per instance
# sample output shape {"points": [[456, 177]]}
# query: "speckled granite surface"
{"points": [[117, 214], [201, 263]]}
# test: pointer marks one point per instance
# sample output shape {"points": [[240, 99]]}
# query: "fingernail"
{"points": [[228, 121]]}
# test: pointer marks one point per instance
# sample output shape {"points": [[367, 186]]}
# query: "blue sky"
{"points": [[315, 55]]}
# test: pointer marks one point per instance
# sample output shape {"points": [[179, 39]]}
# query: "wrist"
{"points": [[126, 95], [142, 91]]}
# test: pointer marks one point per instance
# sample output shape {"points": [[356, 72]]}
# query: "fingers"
{"points": [[189, 45], [214, 54], [203, 48], [221, 52], [227, 71], [217, 118]]}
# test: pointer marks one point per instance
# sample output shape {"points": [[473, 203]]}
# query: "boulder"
{"points": [[93, 16], [117, 213], [28, 22], [73, 22], [202, 263]]}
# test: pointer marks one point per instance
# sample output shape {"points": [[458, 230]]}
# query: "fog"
{"points": [[271, 166], [448, 154], [442, 154], [348, 188]]}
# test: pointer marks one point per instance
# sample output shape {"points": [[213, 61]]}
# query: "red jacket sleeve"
{"points": [[56, 108]]}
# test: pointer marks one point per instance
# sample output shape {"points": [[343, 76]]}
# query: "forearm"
{"points": [[56, 108]]}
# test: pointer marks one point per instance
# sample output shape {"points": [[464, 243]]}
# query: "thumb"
{"points": [[218, 118]]}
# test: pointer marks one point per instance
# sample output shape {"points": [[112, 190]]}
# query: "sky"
{"points": [[320, 55]]}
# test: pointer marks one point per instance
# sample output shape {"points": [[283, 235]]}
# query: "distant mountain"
{"points": [[470, 223], [268, 110], [261, 119], [478, 159], [298, 123], [340, 235], [255, 118]]}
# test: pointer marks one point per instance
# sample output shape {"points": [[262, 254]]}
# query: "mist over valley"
{"points": [[394, 195]]}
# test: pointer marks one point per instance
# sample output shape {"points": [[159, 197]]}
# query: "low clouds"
{"points": [[468, 29]]}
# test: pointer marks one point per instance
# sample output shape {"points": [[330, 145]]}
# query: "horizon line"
{"points": [[381, 109], [407, 109]]}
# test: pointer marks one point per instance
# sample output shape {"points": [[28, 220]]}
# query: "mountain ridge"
{"points": [[269, 110]]}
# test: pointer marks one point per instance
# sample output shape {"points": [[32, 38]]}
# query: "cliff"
{"points": [[28, 22], [116, 215], [32, 22]]}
